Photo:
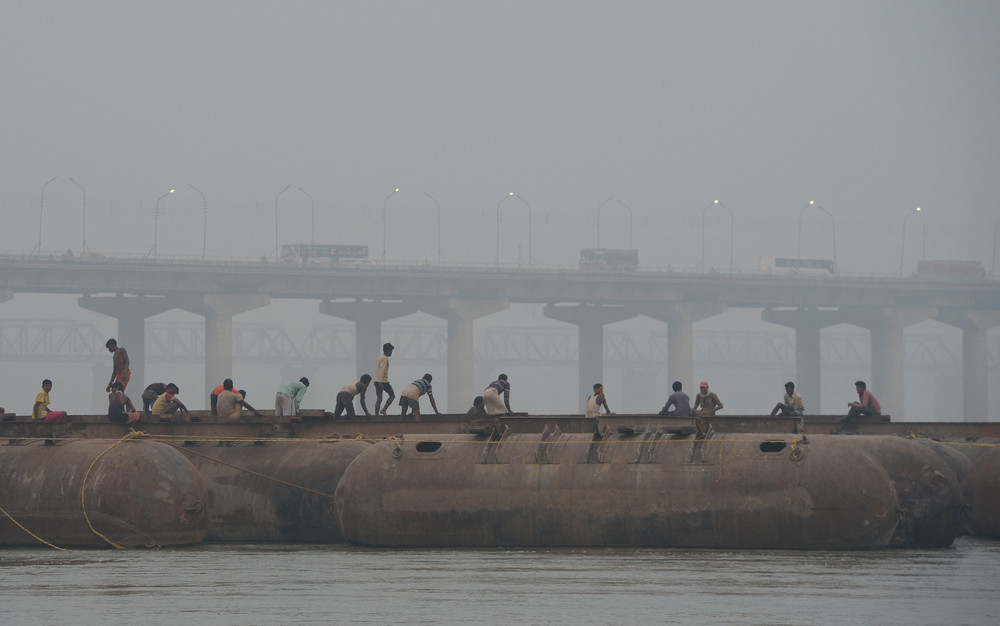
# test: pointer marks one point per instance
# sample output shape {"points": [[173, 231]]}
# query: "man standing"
{"points": [[679, 401], [866, 405], [119, 364], [791, 404], [345, 398], [409, 397], [706, 403], [382, 378], [286, 401], [596, 401], [494, 405]]}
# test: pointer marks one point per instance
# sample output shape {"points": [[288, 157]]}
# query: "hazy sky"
{"points": [[868, 108]]}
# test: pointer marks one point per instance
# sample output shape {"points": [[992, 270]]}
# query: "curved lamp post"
{"points": [[156, 222], [731, 231], [525, 203], [833, 230], [438, 205], [204, 221], [41, 212], [283, 190], [624, 206], [384, 203], [312, 203], [923, 228], [84, 192]]}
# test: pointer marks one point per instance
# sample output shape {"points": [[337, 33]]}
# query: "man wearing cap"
{"points": [[382, 378], [706, 402]]}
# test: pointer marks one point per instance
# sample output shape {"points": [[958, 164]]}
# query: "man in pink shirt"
{"points": [[866, 405]]}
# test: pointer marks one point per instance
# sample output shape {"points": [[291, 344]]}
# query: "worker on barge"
{"points": [[120, 407], [289, 396], [596, 401], [680, 402], [120, 371], [491, 396], [167, 402], [706, 403], [231, 403], [40, 410], [345, 398], [382, 379], [409, 398], [150, 394], [791, 404], [866, 406]]}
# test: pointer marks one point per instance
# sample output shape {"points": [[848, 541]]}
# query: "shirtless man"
{"points": [[119, 365], [345, 398], [706, 403]]}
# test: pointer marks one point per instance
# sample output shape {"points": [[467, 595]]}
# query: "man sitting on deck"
{"points": [[791, 404], [167, 403], [230, 404], [867, 404]]}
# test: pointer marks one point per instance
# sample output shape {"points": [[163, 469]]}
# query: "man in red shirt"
{"points": [[866, 405]]}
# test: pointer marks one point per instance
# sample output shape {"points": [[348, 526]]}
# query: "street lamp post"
{"points": [[731, 231], [438, 205], [525, 202], [833, 230], [384, 203], [204, 221], [83, 250], [923, 228], [276, 196], [312, 203], [624, 206], [41, 212], [156, 222]]}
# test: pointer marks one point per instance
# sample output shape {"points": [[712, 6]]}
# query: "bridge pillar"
{"points": [[680, 318], [218, 310], [367, 316], [975, 327], [7, 294], [461, 316], [807, 324], [886, 325], [131, 313], [589, 320]]}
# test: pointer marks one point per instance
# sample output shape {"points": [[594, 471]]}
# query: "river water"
{"points": [[296, 584]]}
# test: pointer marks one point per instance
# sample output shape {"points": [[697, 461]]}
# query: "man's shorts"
{"points": [[123, 377], [386, 387], [409, 402]]}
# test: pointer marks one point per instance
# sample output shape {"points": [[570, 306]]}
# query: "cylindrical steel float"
{"points": [[651, 489], [981, 494], [274, 491], [930, 505], [136, 493]]}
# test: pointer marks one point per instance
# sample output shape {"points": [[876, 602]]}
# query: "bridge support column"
{"points": [[218, 311], [886, 325], [680, 318], [367, 316], [975, 327], [131, 314], [461, 316], [807, 324], [589, 320], [6, 295]]}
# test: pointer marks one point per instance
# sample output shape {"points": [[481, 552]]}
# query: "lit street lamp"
{"points": [[156, 222], [313, 204], [833, 230], [438, 205], [41, 212], [731, 231], [923, 228], [84, 191], [283, 190], [204, 220], [384, 202]]}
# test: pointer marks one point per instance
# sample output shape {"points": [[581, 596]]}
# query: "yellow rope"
{"points": [[19, 525], [83, 489]]}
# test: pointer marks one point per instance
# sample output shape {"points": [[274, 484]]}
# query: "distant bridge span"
{"points": [[368, 294]]}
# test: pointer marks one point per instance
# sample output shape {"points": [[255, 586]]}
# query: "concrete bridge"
{"points": [[131, 290]]}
